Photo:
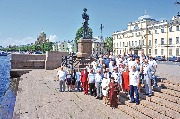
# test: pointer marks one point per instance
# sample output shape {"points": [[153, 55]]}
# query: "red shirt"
{"points": [[84, 76]]}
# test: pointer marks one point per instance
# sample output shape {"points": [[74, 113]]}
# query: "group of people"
{"points": [[108, 76]]}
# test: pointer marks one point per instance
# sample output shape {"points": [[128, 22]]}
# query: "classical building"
{"points": [[65, 46], [156, 38], [98, 46], [41, 39]]}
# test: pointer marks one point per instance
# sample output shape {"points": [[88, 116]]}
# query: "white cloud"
{"points": [[12, 41], [53, 38]]}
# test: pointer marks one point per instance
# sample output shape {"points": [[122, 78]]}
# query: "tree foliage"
{"points": [[109, 43], [79, 34], [43, 47]]}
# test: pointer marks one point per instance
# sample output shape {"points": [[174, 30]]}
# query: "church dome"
{"points": [[145, 17]]}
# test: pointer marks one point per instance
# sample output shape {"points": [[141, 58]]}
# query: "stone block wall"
{"points": [[27, 61], [54, 59], [50, 61]]}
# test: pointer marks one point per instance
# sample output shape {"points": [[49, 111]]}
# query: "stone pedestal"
{"points": [[84, 48]]}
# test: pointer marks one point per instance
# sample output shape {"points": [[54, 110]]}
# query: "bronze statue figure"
{"points": [[85, 16]]}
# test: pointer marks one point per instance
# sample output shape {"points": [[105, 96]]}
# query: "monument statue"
{"points": [[85, 16]]}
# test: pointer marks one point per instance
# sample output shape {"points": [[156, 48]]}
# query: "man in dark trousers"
{"points": [[84, 81]]}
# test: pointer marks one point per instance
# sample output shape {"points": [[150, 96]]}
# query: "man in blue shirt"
{"points": [[107, 60]]}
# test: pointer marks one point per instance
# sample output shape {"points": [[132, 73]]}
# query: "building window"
{"points": [[117, 45], [99, 49], [143, 42], [149, 32], [120, 44], [129, 43], [162, 41], [135, 43], [170, 29], [162, 51], [177, 51], [96, 49], [177, 28], [177, 40], [132, 43], [139, 42], [123, 44], [162, 30], [97, 44], [149, 51], [155, 41], [149, 42], [132, 35], [156, 32], [120, 52], [155, 51], [170, 52], [170, 41]]}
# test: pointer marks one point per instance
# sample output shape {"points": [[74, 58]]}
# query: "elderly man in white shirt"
{"points": [[153, 64], [91, 81], [98, 81], [147, 71], [62, 78], [134, 82]]}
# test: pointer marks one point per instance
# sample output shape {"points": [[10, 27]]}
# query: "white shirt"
{"points": [[117, 77], [62, 75], [94, 64], [130, 64], [133, 78], [153, 63], [98, 78], [91, 77]]}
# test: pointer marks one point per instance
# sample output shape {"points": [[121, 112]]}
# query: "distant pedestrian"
{"points": [[62, 78]]}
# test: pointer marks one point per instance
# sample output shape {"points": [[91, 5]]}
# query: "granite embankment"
{"points": [[38, 97]]}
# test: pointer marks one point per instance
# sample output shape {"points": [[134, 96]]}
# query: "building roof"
{"points": [[145, 17]]}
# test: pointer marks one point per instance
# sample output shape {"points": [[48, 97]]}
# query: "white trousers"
{"points": [[147, 83]]}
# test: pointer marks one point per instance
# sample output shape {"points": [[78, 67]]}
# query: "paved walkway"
{"points": [[171, 72], [38, 98]]}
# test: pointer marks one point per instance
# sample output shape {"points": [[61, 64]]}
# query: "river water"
{"points": [[8, 89]]}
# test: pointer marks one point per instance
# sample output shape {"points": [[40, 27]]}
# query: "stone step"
{"points": [[170, 82], [167, 97], [169, 86], [165, 103], [144, 110], [160, 109], [131, 111], [167, 91], [146, 101]]}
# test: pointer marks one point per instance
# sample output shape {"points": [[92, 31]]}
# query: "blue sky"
{"points": [[22, 20]]}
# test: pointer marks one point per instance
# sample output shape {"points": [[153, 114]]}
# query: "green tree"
{"points": [[109, 43], [79, 34]]}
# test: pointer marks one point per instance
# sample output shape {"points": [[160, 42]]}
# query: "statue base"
{"points": [[84, 48]]}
